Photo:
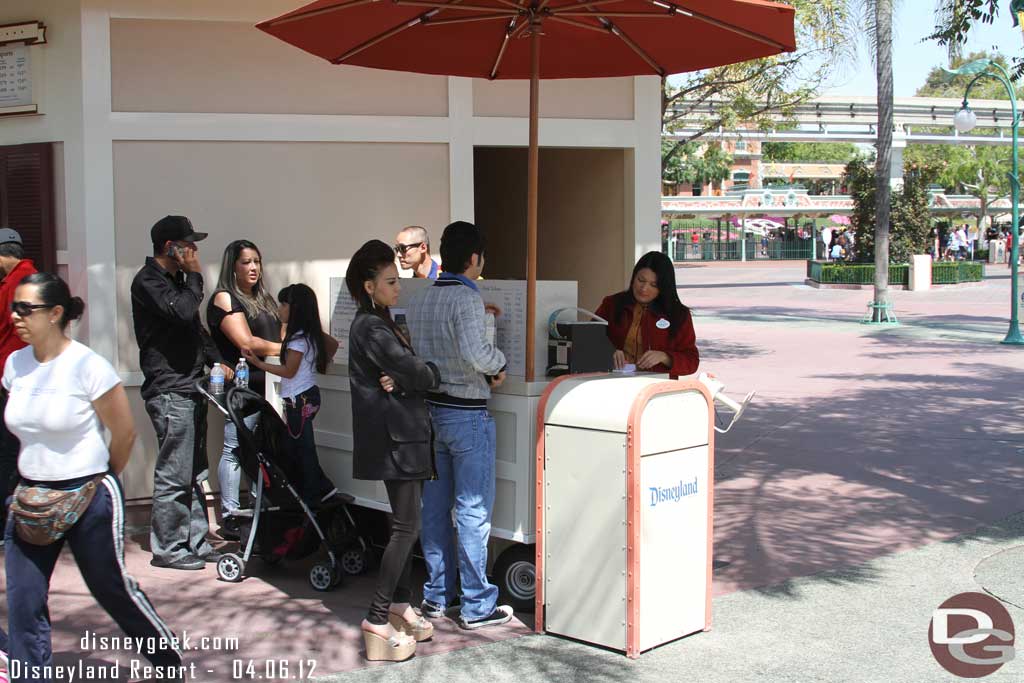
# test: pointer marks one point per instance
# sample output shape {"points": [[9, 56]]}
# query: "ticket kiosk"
{"points": [[624, 502]]}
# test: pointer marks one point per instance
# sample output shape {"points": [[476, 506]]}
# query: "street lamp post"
{"points": [[965, 120]]}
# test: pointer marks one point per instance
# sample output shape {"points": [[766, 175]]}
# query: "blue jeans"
{"points": [[229, 470], [179, 523], [464, 443]]}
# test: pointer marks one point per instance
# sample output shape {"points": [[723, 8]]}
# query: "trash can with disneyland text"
{"points": [[625, 472]]}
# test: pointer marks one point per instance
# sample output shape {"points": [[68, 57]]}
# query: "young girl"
{"points": [[305, 351]]}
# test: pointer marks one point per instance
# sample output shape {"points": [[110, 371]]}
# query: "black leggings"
{"points": [[393, 583]]}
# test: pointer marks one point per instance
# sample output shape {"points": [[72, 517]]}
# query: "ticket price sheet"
{"points": [[15, 76]]}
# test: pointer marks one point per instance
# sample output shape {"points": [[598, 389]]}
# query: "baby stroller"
{"points": [[282, 525]]}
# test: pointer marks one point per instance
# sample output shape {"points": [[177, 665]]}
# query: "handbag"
{"points": [[42, 515]]}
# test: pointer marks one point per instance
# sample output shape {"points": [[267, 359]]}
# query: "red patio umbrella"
{"points": [[499, 39]]}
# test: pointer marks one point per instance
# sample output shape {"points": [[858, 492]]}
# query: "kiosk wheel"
{"points": [[515, 574], [230, 568]]}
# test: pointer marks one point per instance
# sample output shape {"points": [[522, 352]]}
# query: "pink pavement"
{"points": [[863, 441]]}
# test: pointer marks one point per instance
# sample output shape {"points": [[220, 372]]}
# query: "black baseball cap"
{"points": [[175, 229]]}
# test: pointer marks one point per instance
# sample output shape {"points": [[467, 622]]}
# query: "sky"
{"points": [[913, 59]]}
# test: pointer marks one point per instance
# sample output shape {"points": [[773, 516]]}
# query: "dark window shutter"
{"points": [[27, 201]]}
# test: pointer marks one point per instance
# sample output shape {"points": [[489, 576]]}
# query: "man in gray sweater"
{"points": [[446, 323]]}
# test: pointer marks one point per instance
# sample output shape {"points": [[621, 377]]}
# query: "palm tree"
{"points": [[883, 72]]}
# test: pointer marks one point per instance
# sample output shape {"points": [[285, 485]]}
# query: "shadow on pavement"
{"points": [[895, 461]]}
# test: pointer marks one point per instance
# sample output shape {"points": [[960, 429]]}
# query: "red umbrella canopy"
{"points": [[582, 38]]}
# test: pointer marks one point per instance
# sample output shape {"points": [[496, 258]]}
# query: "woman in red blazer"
{"points": [[648, 325]]}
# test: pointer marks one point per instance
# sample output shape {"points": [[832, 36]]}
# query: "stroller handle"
{"points": [[229, 403], [223, 401]]}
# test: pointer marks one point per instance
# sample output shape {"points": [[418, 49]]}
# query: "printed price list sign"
{"points": [[15, 76]]}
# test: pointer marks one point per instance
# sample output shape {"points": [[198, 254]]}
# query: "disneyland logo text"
{"points": [[672, 494]]}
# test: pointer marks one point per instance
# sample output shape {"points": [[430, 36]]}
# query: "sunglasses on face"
{"points": [[25, 309], [400, 249]]}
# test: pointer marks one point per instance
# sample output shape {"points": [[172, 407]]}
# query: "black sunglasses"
{"points": [[25, 309], [400, 249]]}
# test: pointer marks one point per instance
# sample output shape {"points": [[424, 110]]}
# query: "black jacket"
{"points": [[391, 433], [174, 347]]}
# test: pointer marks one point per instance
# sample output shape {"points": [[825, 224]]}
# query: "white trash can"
{"points": [[624, 509]]}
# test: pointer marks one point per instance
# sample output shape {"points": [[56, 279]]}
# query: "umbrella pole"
{"points": [[531, 205]]}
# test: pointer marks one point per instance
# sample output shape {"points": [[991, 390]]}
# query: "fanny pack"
{"points": [[42, 515]]}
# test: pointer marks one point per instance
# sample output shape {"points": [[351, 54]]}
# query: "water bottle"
{"points": [[242, 374], [217, 380]]}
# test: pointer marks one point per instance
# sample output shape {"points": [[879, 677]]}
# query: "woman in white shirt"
{"points": [[61, 396], [305, 351]]}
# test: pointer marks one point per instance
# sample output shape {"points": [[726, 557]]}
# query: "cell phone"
{"points": [[175, 252]]}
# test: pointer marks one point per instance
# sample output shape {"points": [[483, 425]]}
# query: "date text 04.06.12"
{"points": [[272, 669]]}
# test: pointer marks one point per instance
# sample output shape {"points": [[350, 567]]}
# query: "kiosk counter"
{"points": [[524, 413], [513, 406]]}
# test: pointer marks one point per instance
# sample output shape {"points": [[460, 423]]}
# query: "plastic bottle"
{"points": [[242, 374], [217, 380]]}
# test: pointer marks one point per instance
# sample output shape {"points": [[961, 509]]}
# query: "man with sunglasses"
{"points": [[174, 350], [13, 267], [413, 249]]}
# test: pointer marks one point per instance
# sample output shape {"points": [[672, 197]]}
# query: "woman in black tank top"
{"points": [[241, 314]]}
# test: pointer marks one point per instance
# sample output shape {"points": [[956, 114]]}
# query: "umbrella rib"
{"points": [[504, 45], [581, 5], [366, 44], [628, 41], [317, 12], [469, 8], [693, 14], [581, 24], [659, 15], [636, 48], [464, 20]]}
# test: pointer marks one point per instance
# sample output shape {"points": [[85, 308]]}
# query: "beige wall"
{"points": [[581, 212], [307, 206], [231, 67], [571, 98]]}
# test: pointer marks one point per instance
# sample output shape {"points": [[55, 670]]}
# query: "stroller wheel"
{"points": [[354, 561], [323, 577], [230, 567]]}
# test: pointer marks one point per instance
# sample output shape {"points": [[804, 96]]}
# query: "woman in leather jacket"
{"points": [[392, 441]]}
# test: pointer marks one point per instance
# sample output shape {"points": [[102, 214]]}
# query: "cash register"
{"points": [[576, 346]]}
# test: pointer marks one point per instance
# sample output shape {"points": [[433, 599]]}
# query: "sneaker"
{"points": [[502, 614], [190, 562], [432, 610], [229, 529], [211, 557]]}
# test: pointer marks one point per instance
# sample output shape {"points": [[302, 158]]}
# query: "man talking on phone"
{"points": [[174, 351]]}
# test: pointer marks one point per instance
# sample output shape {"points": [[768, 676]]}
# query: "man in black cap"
{"points": [[13, 267], [174, 350]]}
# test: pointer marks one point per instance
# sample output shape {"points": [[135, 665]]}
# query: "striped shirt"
{"points": [[446, 323]]}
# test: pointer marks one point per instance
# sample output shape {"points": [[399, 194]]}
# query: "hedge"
{"points": [[943, 273]]}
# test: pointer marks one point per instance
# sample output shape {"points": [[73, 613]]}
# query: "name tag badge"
{"points": [[662, 324]]}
